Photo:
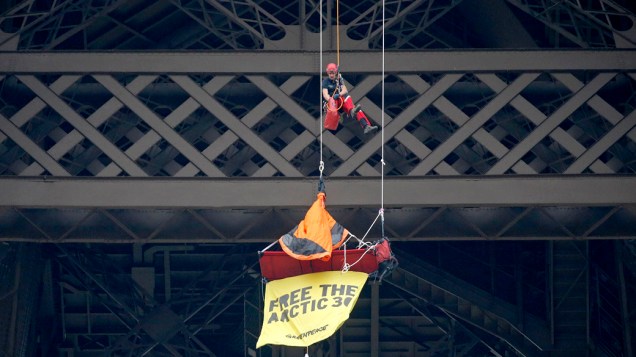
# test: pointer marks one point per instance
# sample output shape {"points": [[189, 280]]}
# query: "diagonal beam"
{"points": [[32, 108], [377, 9], [537, 117], [550, 123], [590, 16], [425, 21], [40, 17], [413, 143], [397, 124], [244, 132], [542, 17], [418, 148], [205, 23], [232, 16], [250, 119], [85, 24], [31, 148], [81, 125], [285, 102], [482, 136], [97, 118], [610, 138], [158, 125], [266, 106], [173, 119], [474, 124], [596, 102], [212, 151]]}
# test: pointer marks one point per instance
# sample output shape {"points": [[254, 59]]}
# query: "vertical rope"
{"points": [[382, 129], [321, 166], [338, 34]]}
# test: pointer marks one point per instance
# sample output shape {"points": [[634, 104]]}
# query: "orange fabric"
{"points": [[315, 236]]}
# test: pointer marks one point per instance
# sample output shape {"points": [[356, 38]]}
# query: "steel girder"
{"points": [[583, 23], [530, 118], [124, 314], [422, 307], [307, 62], [266, 25], [212, 24], [248, 211], [478, 119], [560, 130]]}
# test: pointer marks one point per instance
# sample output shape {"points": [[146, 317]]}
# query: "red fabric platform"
{"points": [[278, 265]]}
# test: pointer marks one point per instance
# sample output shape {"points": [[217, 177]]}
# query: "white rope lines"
{"points": [[321, 166], [382, 130]]}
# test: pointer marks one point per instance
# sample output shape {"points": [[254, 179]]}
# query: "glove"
{"points": [[336, 96]]}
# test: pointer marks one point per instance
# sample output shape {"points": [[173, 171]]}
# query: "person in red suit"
{"points": [[333, 86]]}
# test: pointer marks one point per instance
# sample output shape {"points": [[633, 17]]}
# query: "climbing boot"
{"points": [[370, 128]]}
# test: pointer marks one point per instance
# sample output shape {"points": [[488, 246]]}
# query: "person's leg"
{"points": [[340, 106], [354, 112], [347, 105], [357, 113], [362, 119], [365, 122]]}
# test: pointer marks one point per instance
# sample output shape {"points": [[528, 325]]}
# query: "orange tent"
{"points": [[316, 235]]}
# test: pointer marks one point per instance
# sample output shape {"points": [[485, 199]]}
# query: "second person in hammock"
{"points": [[334, 87]]}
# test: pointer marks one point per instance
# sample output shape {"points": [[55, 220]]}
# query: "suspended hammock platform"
{"points": [[318, 243], [279, 265]]}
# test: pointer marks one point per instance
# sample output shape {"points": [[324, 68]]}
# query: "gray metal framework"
{"points": [[476, 146], [266, 25], [501, 127], [149, 149], [264, 132]]}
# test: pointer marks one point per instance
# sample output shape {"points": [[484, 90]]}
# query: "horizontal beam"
{"points": [[341, 192], [308, 62]]}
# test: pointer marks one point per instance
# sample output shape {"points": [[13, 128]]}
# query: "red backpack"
{"points": [[386, 260]]}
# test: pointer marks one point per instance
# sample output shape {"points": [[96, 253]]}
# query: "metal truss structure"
{"points": [[266, 25], [524, 119], [149, 149]]}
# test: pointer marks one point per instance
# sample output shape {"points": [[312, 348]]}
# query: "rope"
{"points": [[269, 246], [338, 34], [321, 166], [382, 129], [382, 163], [361, 243], [339, 78]]}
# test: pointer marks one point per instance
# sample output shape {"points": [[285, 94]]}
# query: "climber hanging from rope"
{"points": [[337, 100]]}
